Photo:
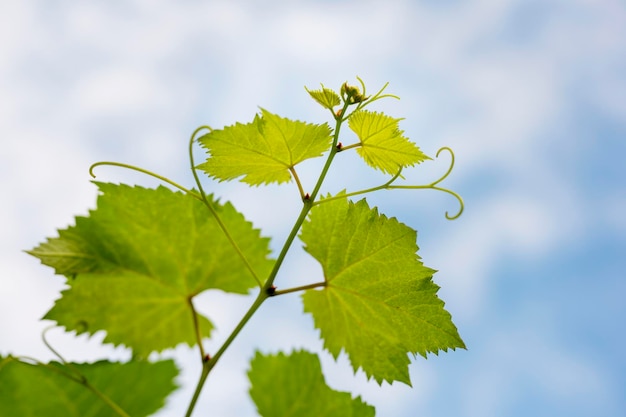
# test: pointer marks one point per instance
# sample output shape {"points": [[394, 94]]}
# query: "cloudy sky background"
{"points": [[531, 95]]}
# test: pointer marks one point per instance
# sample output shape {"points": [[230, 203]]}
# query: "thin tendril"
{"points": [[368, 101], [83, 379], [144, 171], [49, 346], [33, 361], [363, 85], [78, 377], [458, 197], [433, 186], [205, 200], [375, 97], [445, 148], [369, 190]]}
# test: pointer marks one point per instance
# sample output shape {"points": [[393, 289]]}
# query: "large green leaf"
{"points": [[138, 387], [382, 144], [139, 259], [293, 386], [263, 151], [379, 303]]}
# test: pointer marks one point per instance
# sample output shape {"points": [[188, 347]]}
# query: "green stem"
{"points": [[333, 151], [207, 366], [199, 386], [308, 203]]}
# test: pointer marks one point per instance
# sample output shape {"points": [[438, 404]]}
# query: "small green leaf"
{"points": [[263, 151], [379, 303], [294, 385], [139, 259], [382, 144], [138, 387], [326, 97]]}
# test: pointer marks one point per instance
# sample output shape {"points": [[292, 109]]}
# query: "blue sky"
{"points": [[531, 95]]}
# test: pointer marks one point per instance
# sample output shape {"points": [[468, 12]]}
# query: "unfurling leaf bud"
{"points": [[352, 94]]}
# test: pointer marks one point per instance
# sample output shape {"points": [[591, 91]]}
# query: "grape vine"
{"points": [[139, 259]]}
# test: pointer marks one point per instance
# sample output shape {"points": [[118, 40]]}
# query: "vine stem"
{"points": [[208, 365], [308, 202], [266, 289]]}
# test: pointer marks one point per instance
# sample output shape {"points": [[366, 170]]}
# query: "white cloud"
{"points": [[115, 91], [525, 360]]}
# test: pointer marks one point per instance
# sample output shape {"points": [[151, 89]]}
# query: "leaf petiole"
{"points": [[300, 288], [294, 174], [196, 326]]}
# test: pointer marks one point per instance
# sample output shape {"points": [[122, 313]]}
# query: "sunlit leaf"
{"points": [[380, 302], [139, 259], [263, 151], [382, 144], [326, 97]]}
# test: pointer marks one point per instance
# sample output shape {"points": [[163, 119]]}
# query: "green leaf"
{"points": [[138, 387], [294, 385], [326, 97], [379, 302], [263, 151], [139, 259], [382, 144]]}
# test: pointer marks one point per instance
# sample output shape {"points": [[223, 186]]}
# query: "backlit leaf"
{"points": [[380, 302], [382, 144], [263, 151], [139, 259], [326, 97]]}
